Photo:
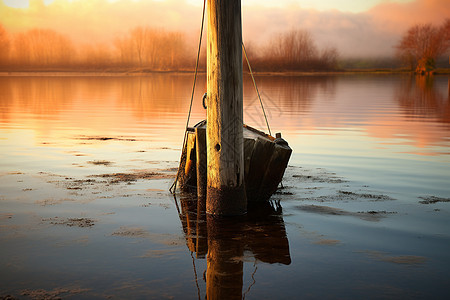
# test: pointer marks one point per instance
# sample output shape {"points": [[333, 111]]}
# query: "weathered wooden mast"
{"points": [[225, 152]]}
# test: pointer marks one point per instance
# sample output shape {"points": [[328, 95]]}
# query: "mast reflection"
{"points": [[224, 242]]}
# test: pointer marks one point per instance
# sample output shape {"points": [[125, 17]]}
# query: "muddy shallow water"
{"points": [[85, 211]]}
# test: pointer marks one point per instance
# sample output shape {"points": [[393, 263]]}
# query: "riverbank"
{"points": [[113, 72]]}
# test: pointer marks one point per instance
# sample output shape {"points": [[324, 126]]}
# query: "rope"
{"points": [[256, 88], [174, 185], [173, 188], [195, 276], [254, 281]]}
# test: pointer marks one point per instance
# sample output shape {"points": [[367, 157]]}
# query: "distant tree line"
{"points": [[145, 48], [142, 47], [152, 48]]}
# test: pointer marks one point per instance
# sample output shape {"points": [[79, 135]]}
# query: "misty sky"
{"points": [[364, 28]]}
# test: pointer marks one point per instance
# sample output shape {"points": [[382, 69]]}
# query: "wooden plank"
{"points": [[275, 171], [249, 145], [262, 152], [200, 133], [188, 173]]}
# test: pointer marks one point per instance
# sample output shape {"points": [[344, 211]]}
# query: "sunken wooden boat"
{"points": [[265, 161]]}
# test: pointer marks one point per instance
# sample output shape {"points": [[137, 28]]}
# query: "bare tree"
{"points": [[138, 37], [422, 44], [296, 50], [445, 32], [171, 50], [125, 51], [21, 50], [43, 47], [293, 47], [153, 52], [151, 48], [329, 58], [95, 56]]}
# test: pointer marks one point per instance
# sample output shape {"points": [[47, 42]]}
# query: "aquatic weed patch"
{"points": [[373, 216], [100, 162], [370, 197], [71, 222], [129, 177], [433, 200], [57, 293]]}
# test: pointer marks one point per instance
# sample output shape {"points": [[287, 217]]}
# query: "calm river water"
{"points": [[85, 212]]}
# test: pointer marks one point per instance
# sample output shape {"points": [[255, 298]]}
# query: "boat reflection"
{"points": [[228, 242]]}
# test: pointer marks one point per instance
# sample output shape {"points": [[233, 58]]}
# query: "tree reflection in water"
{"points": [[228, 242], [420, 99]]}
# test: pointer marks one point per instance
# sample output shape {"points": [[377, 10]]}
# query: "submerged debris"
{"points": [[278, 192], [100, 162], [346, 196], [327, 242], [8, 297], [53, 201], [5, 216], [399, 259], [163, 253], [373, 216], [326, 178], [71, 222], [105, 138], [128, 177], [433, 200], [131, 232], [54, 294], [372, 197]]}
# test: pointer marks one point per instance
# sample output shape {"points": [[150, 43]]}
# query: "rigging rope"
{"points": [[195, 276], [253, 278], [256, 88], [174, 185], [173, 188]]}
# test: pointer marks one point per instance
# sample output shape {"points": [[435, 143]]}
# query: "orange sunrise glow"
{"points": [[371, 31], [291, 149]]}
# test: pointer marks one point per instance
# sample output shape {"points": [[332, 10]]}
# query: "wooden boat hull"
{"points": [[265, 161]]}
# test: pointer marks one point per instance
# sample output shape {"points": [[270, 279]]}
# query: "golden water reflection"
{"points": [[382, 107], [229, 242]]}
